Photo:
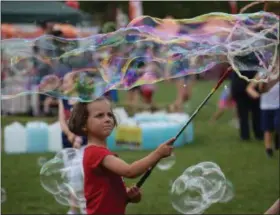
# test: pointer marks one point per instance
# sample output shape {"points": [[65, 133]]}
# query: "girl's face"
{"points": [[100, 121]]}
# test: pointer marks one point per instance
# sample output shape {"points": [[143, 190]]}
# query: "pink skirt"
{"points": [[224, 104]]}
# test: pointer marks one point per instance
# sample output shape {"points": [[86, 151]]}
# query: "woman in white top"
{"points": [[270, 111]]}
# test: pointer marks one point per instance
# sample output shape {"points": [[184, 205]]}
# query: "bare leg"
{"points": [[179, 100], [268, 143], [267, 139], [217, 115], [277, 140], [133, 98], [184, 91]]}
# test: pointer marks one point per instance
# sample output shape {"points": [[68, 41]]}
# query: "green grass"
{"points": [[254, 176]]}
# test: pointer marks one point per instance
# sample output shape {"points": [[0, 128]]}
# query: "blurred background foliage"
{"points": [[105, 10]]}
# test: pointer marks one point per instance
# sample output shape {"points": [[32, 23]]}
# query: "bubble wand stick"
{"points": [[146, 175]]}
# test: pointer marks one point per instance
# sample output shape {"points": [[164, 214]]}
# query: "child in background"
{"points": [[270, 112], [147, 92], [225, 102], [104, 188], [69, 139], [150, 73]]}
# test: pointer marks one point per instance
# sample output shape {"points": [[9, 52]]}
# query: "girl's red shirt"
{"points": [[105, 191]]}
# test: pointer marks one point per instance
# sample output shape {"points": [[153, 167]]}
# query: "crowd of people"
{"points": [[244, 98], [256, 104], [261, 101], [45, 60], [91, 123]]}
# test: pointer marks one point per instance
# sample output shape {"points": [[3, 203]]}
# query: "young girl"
{"points": [[270, 112], [184, 87], [69, 139], [225, 102], [104, 188], [151, 72]]}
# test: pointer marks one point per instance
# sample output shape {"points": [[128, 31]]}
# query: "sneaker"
{"points": [[269, 152]]}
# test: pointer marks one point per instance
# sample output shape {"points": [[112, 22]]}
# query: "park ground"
{"points": [[254, 176]]}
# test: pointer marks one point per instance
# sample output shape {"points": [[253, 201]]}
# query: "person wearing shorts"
{"points": [[270, 118], [270, 114]]}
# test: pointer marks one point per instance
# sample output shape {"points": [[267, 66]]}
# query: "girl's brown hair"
{"points": [[79, 116]]}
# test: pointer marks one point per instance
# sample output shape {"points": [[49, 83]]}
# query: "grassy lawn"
{"points": [[254, 176]]}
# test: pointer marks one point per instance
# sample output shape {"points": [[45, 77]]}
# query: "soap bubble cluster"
{"points": [[167, 163], [199, 187], [62, 176], [41, 161]]}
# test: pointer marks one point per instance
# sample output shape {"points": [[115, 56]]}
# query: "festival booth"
{"points": [[143, 131]]}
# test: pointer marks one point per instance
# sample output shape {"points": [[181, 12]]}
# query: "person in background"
{"points": [[151, 72], [270, 111], [41, 68], [225, 103], [132, 75], [69, 139], [184, 85], [43, 42], [107, 28], [246, 104]]}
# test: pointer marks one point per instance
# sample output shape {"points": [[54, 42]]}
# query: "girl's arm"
{"points": [[251, 89], [61, 117], [139, 167]]}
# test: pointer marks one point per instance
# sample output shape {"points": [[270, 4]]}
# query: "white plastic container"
{"points": [[37, 137], [15, 138], [121, 115], [55, 139]]}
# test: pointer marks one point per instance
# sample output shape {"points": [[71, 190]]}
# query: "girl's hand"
{"points": [[165, 149], [71, 137], [77, 142], [134, 194]]}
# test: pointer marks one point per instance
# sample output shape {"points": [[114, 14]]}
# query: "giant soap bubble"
{"points": [[147, 51], [62, 176], [200, 186]]}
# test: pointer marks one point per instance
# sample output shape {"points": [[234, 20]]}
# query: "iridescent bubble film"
{"points": [[147, 51]]}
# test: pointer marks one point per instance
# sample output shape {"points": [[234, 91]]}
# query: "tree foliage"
{"points": [[176, 9]]}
